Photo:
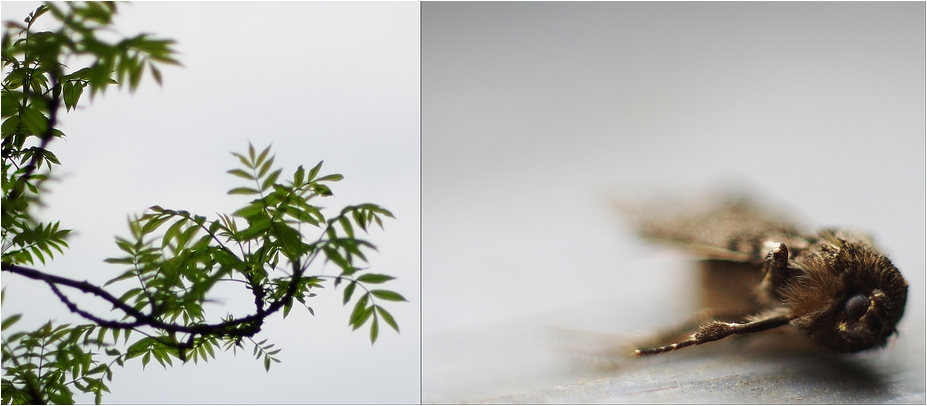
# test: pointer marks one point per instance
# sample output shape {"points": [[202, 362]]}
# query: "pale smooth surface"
{"points": [[320, 81], [535, 114]]}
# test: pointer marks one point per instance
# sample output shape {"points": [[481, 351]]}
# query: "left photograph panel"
{"points": [[211, 202]]}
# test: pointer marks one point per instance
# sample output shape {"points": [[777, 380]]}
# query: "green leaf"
{"points": [[360, 218], [388, 295], [333, 255], [126, 275], [358, 310], [298, 176], [348, 291], [250, 210], [265, 167], [10, 102], [10, 126], [172, 231], [241, 174], [388, 318], [330, 178], [376, 209], [270, 179], [243, 191], [374, 278], [312, 210], [286, 308], [256, 228], [61, 398], [261, 157], [153, 224], [321, 190], [244, 161], [346, 225], [125, 298], [300, 215], [72, 92], [38, 12], [9, 321], [314, 171], [374, 330], [35, 120], [115, 335], [155, 73], [363, 318]]}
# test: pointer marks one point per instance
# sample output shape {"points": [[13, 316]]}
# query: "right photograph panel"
{"points": [[673, 202]]}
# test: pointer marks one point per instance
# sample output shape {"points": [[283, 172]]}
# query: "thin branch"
{"points": [[243, 326]]}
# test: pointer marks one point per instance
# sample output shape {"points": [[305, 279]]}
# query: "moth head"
{"points": [[868, 297]]}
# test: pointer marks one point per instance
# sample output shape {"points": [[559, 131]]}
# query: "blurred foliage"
{"points": [[172, 258]]}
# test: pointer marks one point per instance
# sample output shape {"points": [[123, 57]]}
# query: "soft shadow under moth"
{"points": [[833, 285]]}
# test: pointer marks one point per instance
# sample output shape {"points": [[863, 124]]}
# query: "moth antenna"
{"points": [[715, 330]]}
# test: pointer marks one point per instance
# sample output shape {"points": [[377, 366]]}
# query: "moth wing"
{"points": [[709, 252], [736, 229]]}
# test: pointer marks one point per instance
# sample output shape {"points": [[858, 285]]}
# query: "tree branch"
{"points": [[246, 326]]}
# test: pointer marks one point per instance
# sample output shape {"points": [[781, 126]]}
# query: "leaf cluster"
{"points": [[39, 366], [36, 83], [264, 246], [172, 259], [43, 365]]}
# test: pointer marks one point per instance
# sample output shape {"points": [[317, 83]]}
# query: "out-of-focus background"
{"points": [[337, 82], [534, 115]]}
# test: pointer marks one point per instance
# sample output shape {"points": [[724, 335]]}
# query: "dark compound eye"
{"points": [[856, 307]]}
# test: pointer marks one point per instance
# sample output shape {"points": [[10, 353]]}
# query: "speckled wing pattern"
{"points": [[737, 230]]}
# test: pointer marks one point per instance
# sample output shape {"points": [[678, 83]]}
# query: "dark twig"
{"points": [[246, 326]]}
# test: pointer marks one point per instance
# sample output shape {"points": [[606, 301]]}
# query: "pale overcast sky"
{"points": [[320, 81]]}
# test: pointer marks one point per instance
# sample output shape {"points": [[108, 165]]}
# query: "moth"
{"points": [[833, 285]]}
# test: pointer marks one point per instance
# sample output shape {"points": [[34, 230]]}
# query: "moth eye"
{"points": [[856, 307]]}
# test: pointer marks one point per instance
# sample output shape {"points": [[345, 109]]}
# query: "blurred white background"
{"points": [[320, 81], [535, 114]]}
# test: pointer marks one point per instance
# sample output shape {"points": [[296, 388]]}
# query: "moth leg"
{"points": [[686, 327], [776, 274], [716, 330]]}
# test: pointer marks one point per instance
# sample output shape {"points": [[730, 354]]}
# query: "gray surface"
{"points": [[741, 374], [795, 379], [535, 114], [533, 359]]}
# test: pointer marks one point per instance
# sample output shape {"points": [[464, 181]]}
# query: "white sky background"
{"points": [[534, 114], [321, 81]]}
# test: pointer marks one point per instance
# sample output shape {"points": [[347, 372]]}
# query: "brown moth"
{"points": [[833, 285]]}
